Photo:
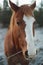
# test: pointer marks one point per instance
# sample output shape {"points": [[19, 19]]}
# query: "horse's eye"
{"points": [[18, 23]]}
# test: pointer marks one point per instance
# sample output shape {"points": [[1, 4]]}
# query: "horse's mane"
{"points": [[12, 21]]}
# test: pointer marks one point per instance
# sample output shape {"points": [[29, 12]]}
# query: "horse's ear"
{"points": [[33, 5], [13, 6]]}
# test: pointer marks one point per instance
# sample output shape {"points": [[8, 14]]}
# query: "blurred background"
{"points": [[5, 11], [5, 15]]}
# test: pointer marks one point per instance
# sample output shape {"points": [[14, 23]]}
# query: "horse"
{"points": [[15, 39]]}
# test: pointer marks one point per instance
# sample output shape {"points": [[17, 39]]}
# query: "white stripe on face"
{"points": [[28, 19], [29, 32]]}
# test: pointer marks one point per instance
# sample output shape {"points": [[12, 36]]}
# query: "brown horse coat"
{"points": [[15, 38]]}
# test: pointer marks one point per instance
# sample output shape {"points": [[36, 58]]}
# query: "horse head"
{"points": [[18, 25]]}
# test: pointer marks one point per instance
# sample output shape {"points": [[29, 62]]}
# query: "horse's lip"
{"points": [[27, 57]]}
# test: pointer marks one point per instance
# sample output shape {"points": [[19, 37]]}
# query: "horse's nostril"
{"points": [[26, 53]]}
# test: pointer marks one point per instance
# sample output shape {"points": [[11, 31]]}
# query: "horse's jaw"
{"points": [[29, 35]]}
